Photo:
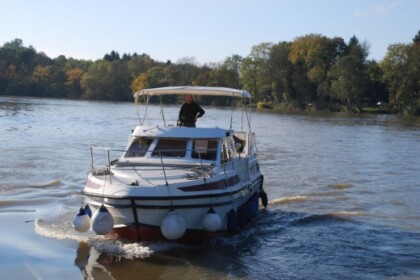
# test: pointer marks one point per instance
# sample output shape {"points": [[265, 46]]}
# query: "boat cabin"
{"points": [[183, 146]]}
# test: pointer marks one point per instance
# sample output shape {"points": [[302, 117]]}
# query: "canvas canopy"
{"points": [[194, 90]]}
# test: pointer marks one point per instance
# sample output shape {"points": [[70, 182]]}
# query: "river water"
{"points": [[344, 194]]}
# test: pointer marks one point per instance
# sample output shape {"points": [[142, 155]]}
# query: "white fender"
{"points": [[212, 221], [81, 222], [102, 221], [173, 226]]}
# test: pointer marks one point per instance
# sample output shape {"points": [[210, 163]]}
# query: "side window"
{"points": [[239, 144], [251, 143], [139, 147], [226, 152], [170, 148], [204, 149]]}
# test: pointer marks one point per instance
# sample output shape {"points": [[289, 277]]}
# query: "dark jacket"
{"points": [[189, 113]]}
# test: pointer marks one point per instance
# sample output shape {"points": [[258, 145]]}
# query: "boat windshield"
{"points": [[170, 148], [204, 149], [139, 147]]}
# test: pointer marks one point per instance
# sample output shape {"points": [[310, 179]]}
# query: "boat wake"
{"points": [[140, 250], [21, 187], [343, 214], [285, 200], [53, 183], [60, 227], [340, 186]]}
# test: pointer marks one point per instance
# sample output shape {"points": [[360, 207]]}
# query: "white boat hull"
{"points": [[140, 218]]}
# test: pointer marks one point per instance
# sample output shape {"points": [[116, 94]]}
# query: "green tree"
{"points": [[254, 72], [107, 80], [416, 39], [214, 75], [112, 56], [233, 63], [152, 78], [348, 84], [376, 87], [281, 69], [42, 78], [138, 64], [227, 73], [188, 69], [315, 54], [401, 67], [17, 64], [349, 80], [73, 82], [203, 76]]}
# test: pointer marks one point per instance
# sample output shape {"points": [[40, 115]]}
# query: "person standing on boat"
{"points": [[190, 112]]}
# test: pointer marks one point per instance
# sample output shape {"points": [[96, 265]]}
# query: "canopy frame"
{"points": [[193, 90], [196, 91]]}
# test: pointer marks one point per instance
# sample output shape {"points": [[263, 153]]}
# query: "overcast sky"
{"points": [[208, 30]]}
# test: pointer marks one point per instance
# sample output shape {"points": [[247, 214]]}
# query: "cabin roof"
{"points": [[179, 132]]}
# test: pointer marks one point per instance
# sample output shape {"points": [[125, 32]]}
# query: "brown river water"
{"points": [[344, 198]]}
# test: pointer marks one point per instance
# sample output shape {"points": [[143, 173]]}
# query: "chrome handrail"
{"points": [[103, 167]]}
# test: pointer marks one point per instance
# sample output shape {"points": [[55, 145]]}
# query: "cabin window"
{"points": [[251, 144], [170, 148], [204, 149], [139, 147], [226, 152], [239, 144]]}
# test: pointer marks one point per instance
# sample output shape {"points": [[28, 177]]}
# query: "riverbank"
{"points": [[287, 108]]}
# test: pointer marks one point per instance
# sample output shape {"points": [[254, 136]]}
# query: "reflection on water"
{"points": [[12, 106], [343, 191], [100, 265]]}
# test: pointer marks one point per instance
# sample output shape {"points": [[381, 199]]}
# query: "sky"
{"points": [[207, 30]]}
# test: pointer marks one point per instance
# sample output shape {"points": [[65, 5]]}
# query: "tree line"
{"points": [[313, 72]]}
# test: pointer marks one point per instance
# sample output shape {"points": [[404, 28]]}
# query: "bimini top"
{"points": [[194, 90]]}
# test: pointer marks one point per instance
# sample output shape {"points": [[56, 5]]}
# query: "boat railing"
{"points": [[101, 161]]}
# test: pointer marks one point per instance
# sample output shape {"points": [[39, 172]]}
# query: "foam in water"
{"points": [[59, 227], [61, 231], [141, 250]]}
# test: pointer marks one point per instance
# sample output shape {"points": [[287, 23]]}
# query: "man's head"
{"points": [[188, 98]]}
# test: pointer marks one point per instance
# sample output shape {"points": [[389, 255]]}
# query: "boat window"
{"points": [[139, 147], [226, 152], [239, 144], [204, 149], [251, 144], [170, 148]]}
